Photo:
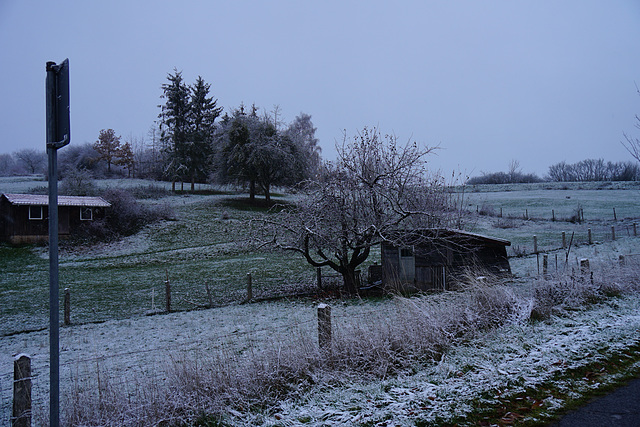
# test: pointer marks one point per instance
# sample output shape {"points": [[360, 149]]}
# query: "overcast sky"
{"points": [[488, 81]]}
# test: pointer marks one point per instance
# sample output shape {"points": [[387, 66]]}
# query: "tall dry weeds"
{"points": [[414, 332]]}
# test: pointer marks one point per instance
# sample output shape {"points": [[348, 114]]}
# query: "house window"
{"points": [[35, 212], [86, 214]]}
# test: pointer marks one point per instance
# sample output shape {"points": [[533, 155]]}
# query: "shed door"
{"points": [[407, 265]]}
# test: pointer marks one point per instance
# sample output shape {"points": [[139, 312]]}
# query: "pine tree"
{"points": [[187, 128], [203, 111], [174, 125]]}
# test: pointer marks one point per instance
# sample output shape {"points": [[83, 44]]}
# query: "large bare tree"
{"points": [[632, 144], [375, 188]]}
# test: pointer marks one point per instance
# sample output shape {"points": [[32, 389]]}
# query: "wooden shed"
{"points": [[432, 259], [24, 218]]}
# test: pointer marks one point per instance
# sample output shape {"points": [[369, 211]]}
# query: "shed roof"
{"points": [[451, 233], [43, 200]]}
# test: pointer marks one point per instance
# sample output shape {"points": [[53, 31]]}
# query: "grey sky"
{"points": [[489, 81]]}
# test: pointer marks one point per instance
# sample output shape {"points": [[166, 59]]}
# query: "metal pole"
{"points": [[54, 315]]}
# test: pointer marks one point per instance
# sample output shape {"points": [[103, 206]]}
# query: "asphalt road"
{"points": [[621, 408]]}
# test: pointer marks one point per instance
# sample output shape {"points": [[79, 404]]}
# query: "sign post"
{"points": [[58, 135]]}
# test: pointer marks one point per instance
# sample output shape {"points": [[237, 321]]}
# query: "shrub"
{"points": [[77, 183], [125, 217]]}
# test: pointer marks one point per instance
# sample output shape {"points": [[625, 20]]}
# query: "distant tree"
{"points": [[594, 170], [83, 157], [34, 161], [254, 151], [108, 146], [7, 164], [233, 157], [125, 157], [632, 144], [174, 125], [303, 134], [203, 111], [376, 188], [513, 176], [187, 126]]}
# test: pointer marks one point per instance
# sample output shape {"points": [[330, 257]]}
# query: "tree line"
{"points": [[193, 142], [582, 171]]}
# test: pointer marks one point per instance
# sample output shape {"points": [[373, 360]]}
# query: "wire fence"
{"points": [[128, 355], [92, 360]]}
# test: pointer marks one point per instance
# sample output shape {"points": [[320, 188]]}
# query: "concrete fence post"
{"points": [[21, 416], [67, 306], [584, 265], [324, 328]]}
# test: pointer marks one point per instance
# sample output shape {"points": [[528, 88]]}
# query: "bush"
{"points": [[77, 183], [125, 217]]}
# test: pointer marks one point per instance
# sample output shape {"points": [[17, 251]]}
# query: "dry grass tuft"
{"points": [[198, 389]]}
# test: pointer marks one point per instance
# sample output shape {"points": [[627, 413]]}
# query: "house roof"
{"points": [[43, 200]]}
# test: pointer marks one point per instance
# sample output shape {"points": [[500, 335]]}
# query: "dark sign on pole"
{"points": [[58, 90], [58, 135]]}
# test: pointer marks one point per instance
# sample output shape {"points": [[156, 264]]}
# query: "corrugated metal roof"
{"points": [[43, 200]]}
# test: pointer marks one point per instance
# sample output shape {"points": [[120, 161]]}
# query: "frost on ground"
{"points": [[140, 355], [500, 363]]}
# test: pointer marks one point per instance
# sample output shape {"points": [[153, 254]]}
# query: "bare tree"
{"points": [[633, 144], [375, 189], [34, 161]]}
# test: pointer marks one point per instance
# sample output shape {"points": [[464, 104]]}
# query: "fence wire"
{"points": [[94, 359]]}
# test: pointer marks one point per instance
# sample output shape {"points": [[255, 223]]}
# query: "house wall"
{"points": [[17, 228]]}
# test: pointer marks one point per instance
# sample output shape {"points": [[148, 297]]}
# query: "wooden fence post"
{"points": [[621, 260], [615, 217], [589, 236], [500, 212], [167, 290], [613, 232], [67, 306], [535, 244], [324, 328], [564, 240], [249, 288], [545, 265], [21, 391], [209, 299], [553, 215]]}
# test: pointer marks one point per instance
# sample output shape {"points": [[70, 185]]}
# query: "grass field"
{"points": [[119, 282], [207, 243]]}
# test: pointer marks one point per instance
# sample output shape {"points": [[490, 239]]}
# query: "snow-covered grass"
{"points": [[178, 364], [417, 361]]}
